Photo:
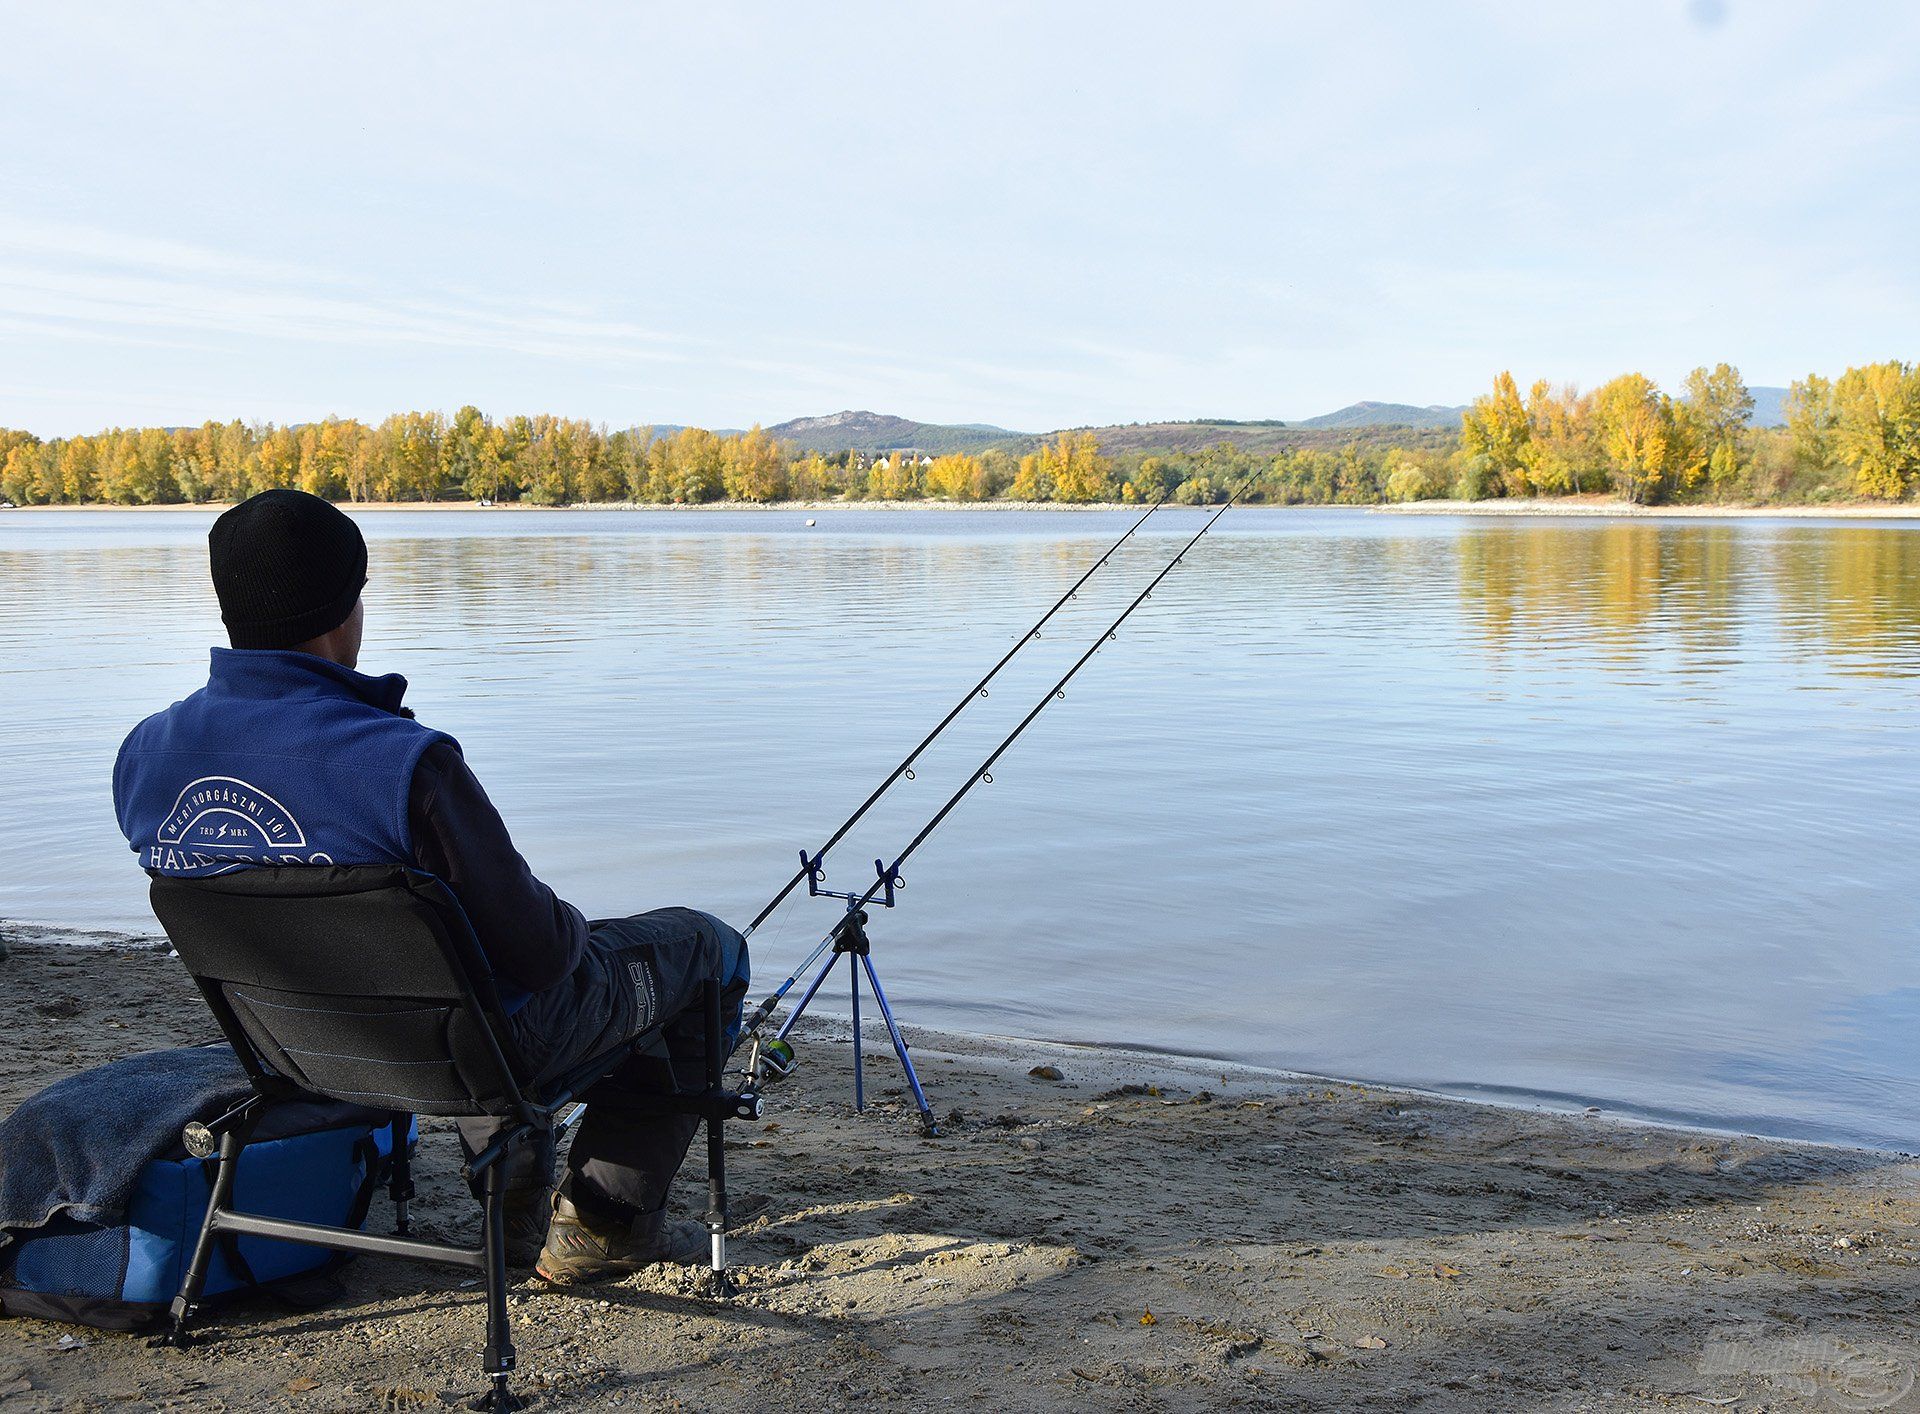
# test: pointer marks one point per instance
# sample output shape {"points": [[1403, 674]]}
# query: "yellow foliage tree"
{"points": [[1644, 447], [1810, 419], [810, 478], [1069, 468], [1078, 470], [957, 478], [20, 469], [78, 463], [1407, 478], [754, 467], [278, 464], [324, 449], [898, 476], [1559, 447], [1496, 430], [1033, 482], [1876, 427], [693, 466]]}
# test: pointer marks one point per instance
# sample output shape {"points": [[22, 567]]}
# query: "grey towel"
{"points": [[78, 1146]]}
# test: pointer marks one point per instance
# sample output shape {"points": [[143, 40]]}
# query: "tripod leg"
{"points": [[900, 1050], [859, 1068], [806, 996]]}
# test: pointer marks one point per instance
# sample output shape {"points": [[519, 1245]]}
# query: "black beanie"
{"points": [[287, 567]]}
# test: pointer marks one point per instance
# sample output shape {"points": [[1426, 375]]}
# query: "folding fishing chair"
{"points": [[365, 984]]}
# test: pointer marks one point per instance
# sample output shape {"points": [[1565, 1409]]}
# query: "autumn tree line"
{"points": [[1852, 437], [1856, 436], [544, 460]]}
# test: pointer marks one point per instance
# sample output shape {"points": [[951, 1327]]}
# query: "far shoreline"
{"points": [[1611, 509], [689, 507], [1555, 508]]}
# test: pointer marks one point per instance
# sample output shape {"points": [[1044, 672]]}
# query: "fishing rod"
{"points": [[849, 936], [776, 1060], [812, 867]]}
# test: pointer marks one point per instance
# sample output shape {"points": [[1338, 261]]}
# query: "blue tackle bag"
{"points": [[119, 1265]]}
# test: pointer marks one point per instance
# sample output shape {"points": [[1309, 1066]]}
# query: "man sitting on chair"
{"points": [[290, 756]]}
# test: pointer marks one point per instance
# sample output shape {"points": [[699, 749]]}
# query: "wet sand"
{"points": [[1140, 1233]]}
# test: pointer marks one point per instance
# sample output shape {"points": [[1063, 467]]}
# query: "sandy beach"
{"points": [[1140, 1233]]}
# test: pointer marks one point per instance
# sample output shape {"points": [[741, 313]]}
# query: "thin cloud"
{"points": [[88, 285], [103, 285]]}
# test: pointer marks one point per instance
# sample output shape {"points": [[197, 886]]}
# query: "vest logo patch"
{"points": [[643, 994], [225, 822]]}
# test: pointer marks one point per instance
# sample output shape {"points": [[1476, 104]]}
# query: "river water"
{"points": [[1583, 811]]}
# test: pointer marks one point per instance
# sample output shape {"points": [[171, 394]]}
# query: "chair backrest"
{"points": [[361, 983]]}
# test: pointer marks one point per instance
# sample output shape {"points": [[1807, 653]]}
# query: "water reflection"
{"points": [[1851, 594], [1622, 592], [1619, 592]]}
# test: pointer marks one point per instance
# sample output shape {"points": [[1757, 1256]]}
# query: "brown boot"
{"points": [[526, 1213], [583, 1247]]}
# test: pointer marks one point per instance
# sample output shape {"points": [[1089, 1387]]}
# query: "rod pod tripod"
{"points": [[850, 941]]}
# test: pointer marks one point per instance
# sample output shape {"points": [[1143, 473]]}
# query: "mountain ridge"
{"points": [[864, 431], [861, 430]]}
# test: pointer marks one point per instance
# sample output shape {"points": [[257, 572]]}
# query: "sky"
{"points": [[1032, 215]]}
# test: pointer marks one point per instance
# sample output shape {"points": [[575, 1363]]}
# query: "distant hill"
{"points": [[1387, 415], [1265, 437], [864, 431], [880, 432], [1769, 407], [1365, 422]]}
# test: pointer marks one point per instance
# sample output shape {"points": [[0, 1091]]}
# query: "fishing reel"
{"points": [[770, 1061]]}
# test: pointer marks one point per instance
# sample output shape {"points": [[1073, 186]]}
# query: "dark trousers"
{"points": [[636, 973]]}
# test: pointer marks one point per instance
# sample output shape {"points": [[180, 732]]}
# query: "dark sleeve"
{"points": [[531, 936]]}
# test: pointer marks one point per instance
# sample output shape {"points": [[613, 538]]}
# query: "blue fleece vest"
{"points": [[282, 758]]}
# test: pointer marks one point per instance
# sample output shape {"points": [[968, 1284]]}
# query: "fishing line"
{"points": [[888, 877], [811, 866]]}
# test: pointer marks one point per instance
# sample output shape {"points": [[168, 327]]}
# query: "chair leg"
{"points": [[721, 1279], [400, 1175], [499, 1359], [181, 1312]]}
